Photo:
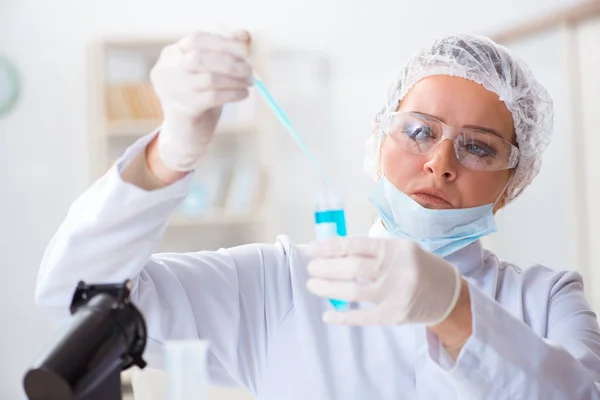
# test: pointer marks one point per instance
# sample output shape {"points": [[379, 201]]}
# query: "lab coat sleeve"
{"points": [[234, 298], [505, 359]]}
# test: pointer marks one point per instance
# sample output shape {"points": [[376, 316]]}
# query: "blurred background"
{"points": [[74, 93]]}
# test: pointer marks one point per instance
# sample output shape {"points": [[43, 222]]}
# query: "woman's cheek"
{"points": [[399, 165], [479, 187]]}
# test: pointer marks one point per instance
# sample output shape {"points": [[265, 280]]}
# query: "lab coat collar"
{"points": [[467, 259]]}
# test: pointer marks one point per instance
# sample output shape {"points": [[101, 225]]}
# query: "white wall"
{"points": [[548, 205], [555, 222], [43, 162], [588, 36]]}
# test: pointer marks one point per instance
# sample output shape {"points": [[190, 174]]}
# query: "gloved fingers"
{"points": [[198, 103], [350, 268], [238, 44], [362, 317], [342, 290], [189, 88], [329, 248], [346, 246], [242, 35], [208, 81], [219, 63], [217, 98]]}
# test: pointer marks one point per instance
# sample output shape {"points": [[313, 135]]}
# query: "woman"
{"points": [[446, 318]]}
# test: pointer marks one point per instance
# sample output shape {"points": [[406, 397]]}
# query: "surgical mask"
{"points": [[442, 232]]}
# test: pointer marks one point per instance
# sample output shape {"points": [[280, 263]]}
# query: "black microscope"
{"points": [[106, 335]]}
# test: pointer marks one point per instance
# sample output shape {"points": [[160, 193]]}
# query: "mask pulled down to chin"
{"points": [[441, 232]]}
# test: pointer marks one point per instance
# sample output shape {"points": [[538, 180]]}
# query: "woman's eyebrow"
{"points": [[480, 128], [487, 130], [428, 116]]}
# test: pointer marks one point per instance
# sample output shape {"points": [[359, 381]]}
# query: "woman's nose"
{"points": [[443, 162]]}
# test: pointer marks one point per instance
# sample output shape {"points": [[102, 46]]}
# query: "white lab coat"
{"points": [[534, 335]]}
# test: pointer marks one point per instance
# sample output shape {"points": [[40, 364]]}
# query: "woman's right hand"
{"points": [[193, 79]]}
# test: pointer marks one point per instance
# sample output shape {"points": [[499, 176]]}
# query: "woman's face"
{"points": [[456, 102]]}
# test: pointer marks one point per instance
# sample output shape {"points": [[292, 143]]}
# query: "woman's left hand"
{"points": [[405, 283]]}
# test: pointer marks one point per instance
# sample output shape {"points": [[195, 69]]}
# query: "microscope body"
{"points": [[106, 335]]}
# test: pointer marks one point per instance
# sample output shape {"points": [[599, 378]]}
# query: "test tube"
{"points": [[185, 362], [330, 221]]}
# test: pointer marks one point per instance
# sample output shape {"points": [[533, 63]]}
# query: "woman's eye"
{"points": [[480, 149], [418, 132]]}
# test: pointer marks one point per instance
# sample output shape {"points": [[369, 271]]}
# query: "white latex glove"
{"points": [[404, 283], [193, 79]]}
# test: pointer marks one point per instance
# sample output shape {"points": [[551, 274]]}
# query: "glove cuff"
{"points": [[455, 297]]}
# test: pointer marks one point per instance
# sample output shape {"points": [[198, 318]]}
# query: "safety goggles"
{"points": [[474, 148]]}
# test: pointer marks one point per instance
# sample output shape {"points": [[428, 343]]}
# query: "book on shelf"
{"points": [[138, 101], [132, 101]]}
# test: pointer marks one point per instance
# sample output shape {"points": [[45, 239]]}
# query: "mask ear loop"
{"points": [[381, 165], [508, 181], [383, 126]]}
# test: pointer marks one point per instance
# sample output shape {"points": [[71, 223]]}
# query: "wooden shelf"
{"points": [[138, 128], [124, 109], [217, 218], [131, 127]]}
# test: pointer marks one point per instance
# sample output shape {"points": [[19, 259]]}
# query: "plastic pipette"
{"points": [[287, 124], [283, 118], [329, 214]]}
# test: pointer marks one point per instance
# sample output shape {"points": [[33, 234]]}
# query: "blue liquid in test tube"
{"points": [[330, 221], [287, 124]]}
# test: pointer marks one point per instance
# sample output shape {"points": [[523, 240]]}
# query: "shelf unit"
{"points": [[124, 108], [133, 128], [120, 67], [257, 137]]}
